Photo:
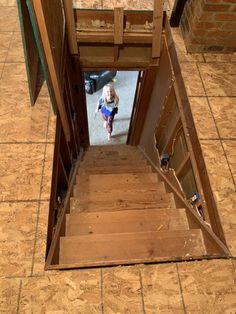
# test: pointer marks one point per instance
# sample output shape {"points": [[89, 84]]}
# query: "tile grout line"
{"points": [[180, 288], [102, 292], [217, 129], [141, 286], [40, 193], [18, 298]]}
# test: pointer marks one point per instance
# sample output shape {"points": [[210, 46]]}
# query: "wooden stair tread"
{"points": [[123, 196], [159, 201], [117, 179], [130, 191], [113, 162], [126, 221], [88, 187], [126, 248], [115, 169]]}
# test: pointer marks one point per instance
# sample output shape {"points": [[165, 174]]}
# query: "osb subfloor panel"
{"points": [[26, 153]]}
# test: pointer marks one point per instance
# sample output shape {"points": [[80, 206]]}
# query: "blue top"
{"points": [[107, 108]]}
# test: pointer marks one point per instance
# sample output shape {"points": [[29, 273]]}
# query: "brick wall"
{"points": [[209, 25]]}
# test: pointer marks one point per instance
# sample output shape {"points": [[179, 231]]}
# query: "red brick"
{"points": [[204, 25], [229, 26], [225, 17], [216, 8], [206, 16]]}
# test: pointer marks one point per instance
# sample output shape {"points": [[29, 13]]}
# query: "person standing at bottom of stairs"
{"points": [[108, 103]]}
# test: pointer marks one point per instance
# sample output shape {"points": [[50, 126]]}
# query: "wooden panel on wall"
{"points": [[161, 88], [30, 50], [52, 41]]}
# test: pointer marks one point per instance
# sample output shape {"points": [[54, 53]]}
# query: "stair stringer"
{"points": [[214, 245]]}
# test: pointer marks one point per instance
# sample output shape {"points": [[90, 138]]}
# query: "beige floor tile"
{"points": [[1, 70], [219, 79], [183, 55], [192, 79], [14, 81], [9, 291], [76, 292], [21, 122], [224, 112], [18, 222], [208, 286], [223, 188], [21, 171], [16, 53], [161, 289], [203, 118], [8, 19], [41, 240], [8, 3], [122, 290], [5, 40], [47, 172], [218, 170], [230, 149], [210, 57]]}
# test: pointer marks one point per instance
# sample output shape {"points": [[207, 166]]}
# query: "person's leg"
{"points": [[110, 125], [105, 118]]}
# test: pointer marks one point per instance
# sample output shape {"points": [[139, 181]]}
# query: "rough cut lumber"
{"points": [[122, 248], [126, 221]]}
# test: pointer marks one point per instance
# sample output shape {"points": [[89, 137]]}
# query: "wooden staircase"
{"points": [[120, 213]]}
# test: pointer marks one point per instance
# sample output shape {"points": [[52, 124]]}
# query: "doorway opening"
{"points": [[125, 83]]}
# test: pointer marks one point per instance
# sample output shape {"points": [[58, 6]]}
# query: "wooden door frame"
{"points": [[141, 99]]}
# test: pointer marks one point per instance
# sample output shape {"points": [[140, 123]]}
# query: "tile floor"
{"points": [[26, 148]]}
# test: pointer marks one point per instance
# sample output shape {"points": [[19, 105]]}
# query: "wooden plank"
{"points": [[52, 62], [108, 16], [182, 169], [52, 256], [118, 25], [88, 188], [149, 201], [116, 180], [157, 28], [113, 249], [127, 221], [141, 107], [166, 112], [70, 26], [115, 169], [171, 137], [100, 193], [108, 37], [30, 49], [99, 162]]}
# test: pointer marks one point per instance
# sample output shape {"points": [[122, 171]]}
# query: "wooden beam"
{"points": [[70, 26], [51, 63], [182, 169], [171, 136], [157, 28], [118, 25]]}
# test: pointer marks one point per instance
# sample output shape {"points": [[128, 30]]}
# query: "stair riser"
{"points": [[116, 180], [166, 201], [102, 191], [110, 249]]}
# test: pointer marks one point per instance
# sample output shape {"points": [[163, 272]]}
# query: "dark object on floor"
{"points": [[96, 80]]}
